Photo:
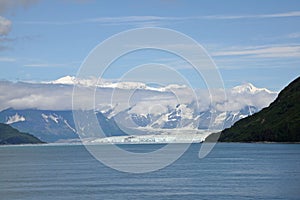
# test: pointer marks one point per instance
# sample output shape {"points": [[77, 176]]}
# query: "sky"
{"points": [[249, 40]]}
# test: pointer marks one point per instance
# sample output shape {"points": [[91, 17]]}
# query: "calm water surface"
{"points": [[231, 171]]}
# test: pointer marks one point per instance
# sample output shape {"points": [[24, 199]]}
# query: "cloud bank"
{"points": [[57, 96]]}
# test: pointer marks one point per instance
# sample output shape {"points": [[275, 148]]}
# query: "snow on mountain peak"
{"points": [[127, 85], [69, 80], [124, 85], [249, 88], [15, 118]]}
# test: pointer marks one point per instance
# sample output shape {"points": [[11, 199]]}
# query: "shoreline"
{"points": [[81, 144]]}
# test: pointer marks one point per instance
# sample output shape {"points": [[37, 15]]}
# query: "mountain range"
{"points": [[140, 117]]}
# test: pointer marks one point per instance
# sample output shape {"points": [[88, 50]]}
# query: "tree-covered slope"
{"points": [[280, 122], [9, 135]]}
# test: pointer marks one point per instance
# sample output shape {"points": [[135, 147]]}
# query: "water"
{"points": [[231, 171]]}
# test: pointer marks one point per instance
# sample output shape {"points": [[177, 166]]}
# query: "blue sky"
{"points": [[250, 41]]}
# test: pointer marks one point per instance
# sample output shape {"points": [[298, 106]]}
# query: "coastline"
{"points": [[82, 144]]}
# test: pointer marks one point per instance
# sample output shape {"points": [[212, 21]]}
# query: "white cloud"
{"points": [[6, 5], [159, 20], [112, 21], [45, 65], [126, 19], [284, 14], [273, 51], [5, 26], [294, 35], [42, 63], [256, 16], [59, 97], [236, 102], [7, 59]]}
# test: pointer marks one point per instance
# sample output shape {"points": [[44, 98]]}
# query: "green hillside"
{"points": [[280, 122], [9, 135]]}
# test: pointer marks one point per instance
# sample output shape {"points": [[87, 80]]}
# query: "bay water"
{"points": [[230, 171]]}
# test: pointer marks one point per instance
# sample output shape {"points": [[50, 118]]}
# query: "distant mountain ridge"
{"points": [[94, 82], [49, 115], [52, 126], [280, 122]]}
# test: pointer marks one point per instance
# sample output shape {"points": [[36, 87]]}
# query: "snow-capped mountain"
{"points": [[183, 116], [250, 89], [48, 125], [45, 109], [126, 85], [52, 126], [68, 80]]}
